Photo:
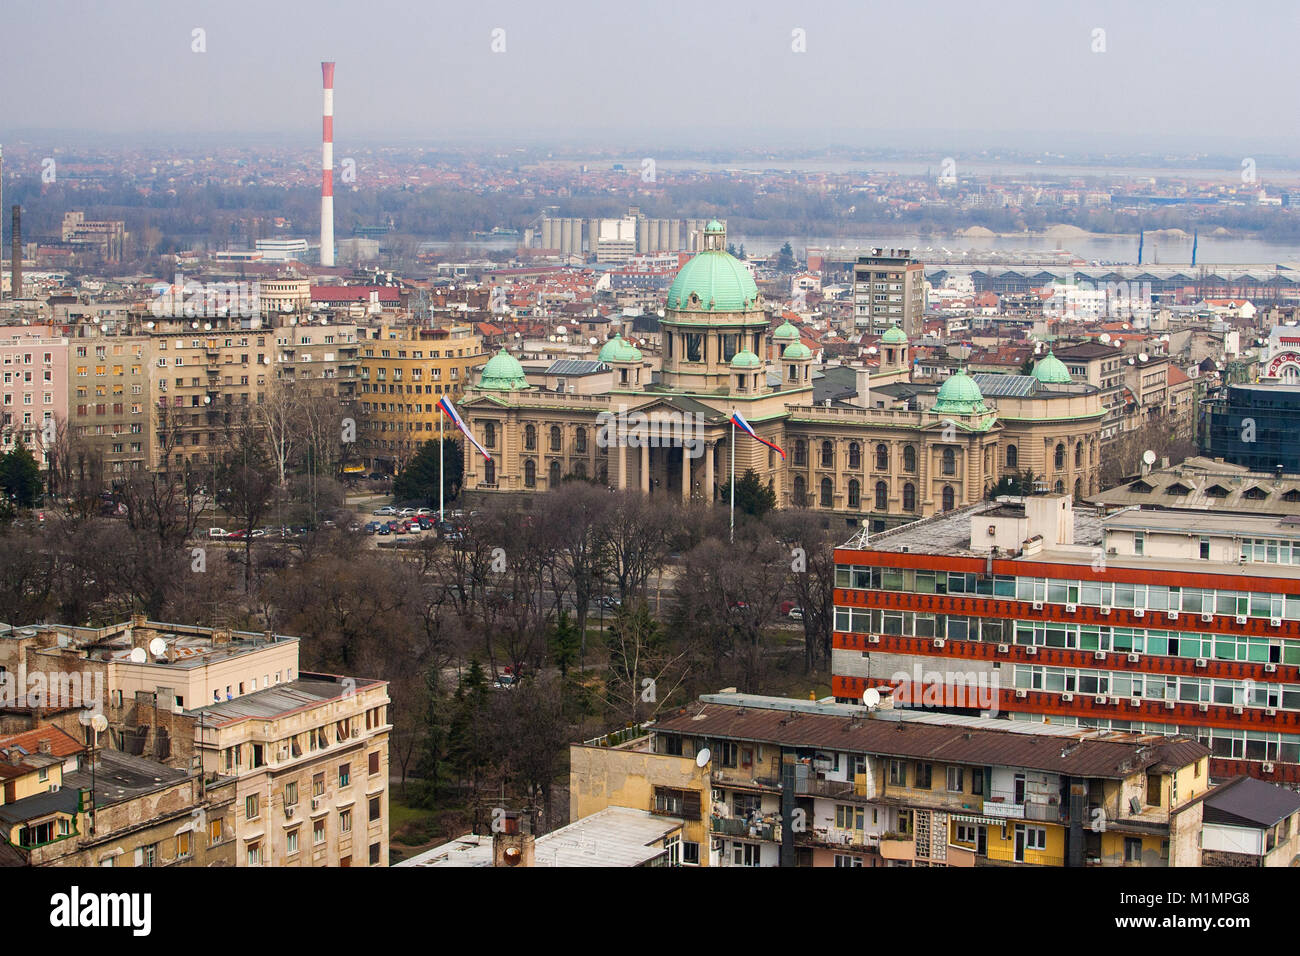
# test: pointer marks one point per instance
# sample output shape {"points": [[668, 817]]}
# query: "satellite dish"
{"points": [[194, 325], [138, 656], [702, 758], [1142, 356], [1149, 457], [560, 330], [148, 325], [1104, 338], [99, 723], [592, 340], [871, 697], [1131, 360], [157, 647], [871, 350], [207, 326]]}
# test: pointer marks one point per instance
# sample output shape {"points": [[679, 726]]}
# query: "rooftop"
{"points": [[1249, 802], [304, 693]]}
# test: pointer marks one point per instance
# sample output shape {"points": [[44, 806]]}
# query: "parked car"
{"points": [[406, 513], [425, 523], [385, 511], [354, 526], [373, 526], [217, 532], [609, 602], [384, 530], [327, 524], [795, 614], [257, 533], [787, 606]]}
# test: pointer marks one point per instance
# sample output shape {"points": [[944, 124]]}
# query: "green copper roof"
{"points": [[718, 281], [746, 359], [959, 395], [1051, 371], [714, 227], [503, 373], [785, 332], [797, 351], [894, 336], [619, 349]]}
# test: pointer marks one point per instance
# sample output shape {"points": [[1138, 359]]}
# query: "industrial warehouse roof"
{"points": [[1086, 754]]}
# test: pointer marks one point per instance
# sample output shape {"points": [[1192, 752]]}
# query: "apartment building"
{"points": [[310, 761], [404, 373], [1181, 623], [1247, 822], [110, 415], [1102, 366], [34, 391], [888, 289], [815, 783], [321, 356]]}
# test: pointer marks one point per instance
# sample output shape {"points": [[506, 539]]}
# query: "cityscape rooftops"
{"points": [[309, 690]]}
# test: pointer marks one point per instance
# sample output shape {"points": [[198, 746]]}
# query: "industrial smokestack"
{"points": [[327, 169], [16, 255]]}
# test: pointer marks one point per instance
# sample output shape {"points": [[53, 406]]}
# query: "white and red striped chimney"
{"points": [[327, 169]]}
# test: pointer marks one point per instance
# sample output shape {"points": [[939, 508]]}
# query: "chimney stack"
{"points": [[16, 255], [327, 169]]}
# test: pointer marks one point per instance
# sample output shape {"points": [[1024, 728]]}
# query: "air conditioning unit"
{"points": [[1270, 711], [1071, 608], [1038, 605], [1105, 610], [1031, 651], [284, 753], [1067, 698], [288, 812], [356, 732], [1004, 648], [1172, 615], [1169, 705], [1099, 655], [1202, 662], [1207, 618], [873, 639], [1275, 621], [1204, 708], [1103, 700], [1022, 694], [1241, 619], [1237, 710], [1266, 766], [1270, 668], [1138, 612], [1135, 701], [1134, 658], [939, 642]]}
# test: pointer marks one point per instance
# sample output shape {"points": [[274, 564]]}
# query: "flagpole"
{"points": [[441, 470], [733, 481]]}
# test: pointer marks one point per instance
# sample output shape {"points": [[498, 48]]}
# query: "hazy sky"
{"points": [[1177, 75]]}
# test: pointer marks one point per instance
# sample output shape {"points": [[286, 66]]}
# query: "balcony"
{"points": [[835, 838], [744, 777], [736, 827], [832, 789]]}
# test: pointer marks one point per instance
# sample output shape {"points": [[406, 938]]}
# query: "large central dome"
{"points": [[714, 280]]}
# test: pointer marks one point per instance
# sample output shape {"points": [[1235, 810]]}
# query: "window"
{"points": [[318, 832], [580, 441], [1058, 459], [1078, 455], [216, 831], [690, 854], [373, 767], [530, 437], [318, 785], [855, 493], [1132, 849], [553, 475], [909, 497], [291, 793], [827, 490], [251, 807], [345, 821], [828, 455], [556, 438], [897, 773], [846, 860], [1013, 457], [849, 817], [345, 774], [490, 434], [923, 774], [291, 842], [956, 779], [530, 473], [489, 473], [800, 452], [254, 854], [800, 491], [949, 461], [374, 854], [376, 804], [855, 455], [949, 500], [882, 496], [909, 458]]}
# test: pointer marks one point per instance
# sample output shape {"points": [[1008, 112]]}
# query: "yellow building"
{"points": [[404, 373]]}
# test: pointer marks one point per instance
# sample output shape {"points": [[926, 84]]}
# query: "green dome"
{"points": [[785, 332], [503, 373], [619, 349], [1051, 371], [714, 227], [960, 395], [797, 351], [746, 359], [718, 280], [894, 336]]}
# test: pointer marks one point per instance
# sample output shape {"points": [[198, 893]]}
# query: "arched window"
{"points": [[530, 473], [882, 496], [553, 474], [855, 455], [828, 455], [800, 452], [1013, 457], [580, 441], [855, 493], [1059, 487], [909, 458], [800, 491], [530, 438], [826, 492], [1059, 458], [489, 472], [555, 438], [1078, 455], [882, 458], [909, 497], [949, 498], [949, 461], [1078, 489], [490, 434], [580, 470]]}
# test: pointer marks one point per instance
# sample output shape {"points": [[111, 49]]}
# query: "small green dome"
{"points": [[785, 332], [746, 359], [718, 281], [797, 351], [1052, 371], [502, 373], [619, 349], [960, 395], [894, 336], [714, 227]]}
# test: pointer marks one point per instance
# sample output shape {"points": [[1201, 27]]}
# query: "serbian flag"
{"points": [[739, 421], [449, 410]]}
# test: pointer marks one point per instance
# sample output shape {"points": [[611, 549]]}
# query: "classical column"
{"points": [[644, 452], [621, 468], [686, 473], [709, 449]]}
